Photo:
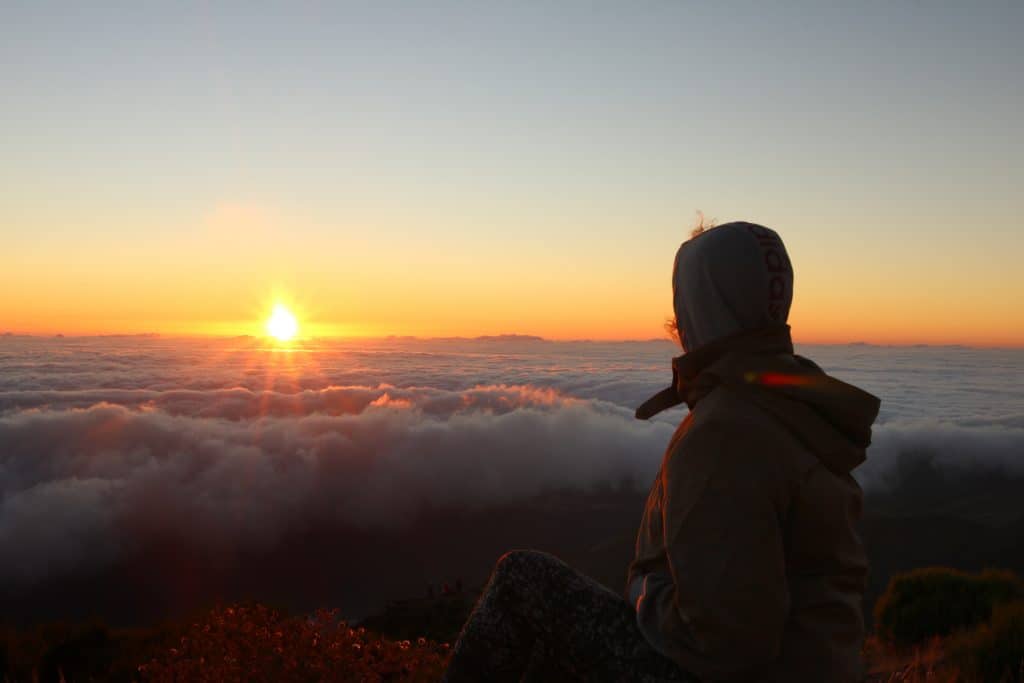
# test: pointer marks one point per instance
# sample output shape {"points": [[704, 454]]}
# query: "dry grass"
{"points": [[924, 663], [257, 643]]}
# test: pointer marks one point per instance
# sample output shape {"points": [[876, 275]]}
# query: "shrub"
{"points": [[993, 651], [937, 602], [257, 643]]}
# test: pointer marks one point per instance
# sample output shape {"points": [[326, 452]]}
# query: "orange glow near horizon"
{"points": [[226, 283], [816, 319], [804, 331]]}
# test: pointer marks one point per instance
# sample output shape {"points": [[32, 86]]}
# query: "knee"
{"points": [[520, 562], [516, 575]]}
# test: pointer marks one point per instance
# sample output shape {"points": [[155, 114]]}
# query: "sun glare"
{"points": [[282, 324]]}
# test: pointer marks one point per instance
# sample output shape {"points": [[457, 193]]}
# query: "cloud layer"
{"points": [[103, 450], [83, 483]]}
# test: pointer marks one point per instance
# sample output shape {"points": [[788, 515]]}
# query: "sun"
{"points": [[282, 325]]}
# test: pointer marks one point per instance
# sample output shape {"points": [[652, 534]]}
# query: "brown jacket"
{"points": [[750, 526]]}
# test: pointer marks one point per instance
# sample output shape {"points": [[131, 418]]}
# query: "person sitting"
{"points": [[748, 564]]}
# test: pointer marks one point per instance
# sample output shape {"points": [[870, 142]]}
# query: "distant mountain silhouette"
{"points": [[510, 338]]}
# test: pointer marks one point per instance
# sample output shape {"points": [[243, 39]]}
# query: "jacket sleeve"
{"points": [[725, 610]]}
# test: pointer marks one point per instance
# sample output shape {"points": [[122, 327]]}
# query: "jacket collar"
{"points": [[686, 385]]}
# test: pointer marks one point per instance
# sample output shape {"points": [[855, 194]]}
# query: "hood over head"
{"points": [[732, 287], [728, 279]]}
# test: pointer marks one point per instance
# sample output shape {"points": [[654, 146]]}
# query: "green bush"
{"points": [[993, 651], [936, 601]]}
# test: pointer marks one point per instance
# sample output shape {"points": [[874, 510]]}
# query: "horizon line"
{"points": [[496, 338]]}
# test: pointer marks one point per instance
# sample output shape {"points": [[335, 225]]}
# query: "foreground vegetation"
{"points": [[936, 625], [232, 643], [936, 601], [257, 643], [952, 626]]}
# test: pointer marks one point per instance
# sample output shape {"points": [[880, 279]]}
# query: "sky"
{"points": [[476, 168]]}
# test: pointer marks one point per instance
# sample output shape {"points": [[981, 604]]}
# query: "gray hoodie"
{"points": [[729, 279]]}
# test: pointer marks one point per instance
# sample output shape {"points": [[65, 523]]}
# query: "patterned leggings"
{"points": [[540, 620]]}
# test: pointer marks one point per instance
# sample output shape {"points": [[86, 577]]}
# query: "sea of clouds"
{"points": [[105, 442]]}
